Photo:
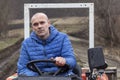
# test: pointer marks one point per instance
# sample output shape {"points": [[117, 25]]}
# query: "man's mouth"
{"points": [[40, 31]]}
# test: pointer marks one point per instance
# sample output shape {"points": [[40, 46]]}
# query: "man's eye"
{"points": [[42, 22], [35, 24]]}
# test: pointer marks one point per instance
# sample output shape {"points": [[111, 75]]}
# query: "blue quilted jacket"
{"points": [[33, 48]]}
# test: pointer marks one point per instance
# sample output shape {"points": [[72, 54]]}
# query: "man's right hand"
{"points": [[60, 61]]}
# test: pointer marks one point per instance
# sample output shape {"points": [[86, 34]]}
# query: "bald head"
{"points": [[39, 15], [40, 25]]}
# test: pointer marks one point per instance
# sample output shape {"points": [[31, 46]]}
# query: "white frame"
{"points": [[90, 6]]}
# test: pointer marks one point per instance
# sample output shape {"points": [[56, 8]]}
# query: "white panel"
{"points": [[26, 21], [91, 26], [60, 5]]}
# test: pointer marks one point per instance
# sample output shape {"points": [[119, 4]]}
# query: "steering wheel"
{"points": [[32, 66]]}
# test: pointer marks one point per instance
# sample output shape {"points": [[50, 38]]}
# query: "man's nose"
{"points": [[39, 26]]}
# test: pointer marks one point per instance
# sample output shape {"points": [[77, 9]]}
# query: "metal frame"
{"points": [[90, 6]]}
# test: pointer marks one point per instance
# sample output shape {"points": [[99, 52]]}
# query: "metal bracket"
{"points": [[90, 6]]}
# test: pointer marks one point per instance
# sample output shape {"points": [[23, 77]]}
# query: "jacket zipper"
{"points": [[44, 43]]}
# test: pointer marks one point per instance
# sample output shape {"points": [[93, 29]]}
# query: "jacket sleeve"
{"points": [[23, 60], [68, 53]]}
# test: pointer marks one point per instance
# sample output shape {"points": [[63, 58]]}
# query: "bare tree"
{"points": [[4, 13], [107, 30]]}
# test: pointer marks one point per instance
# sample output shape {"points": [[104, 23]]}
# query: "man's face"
{"points": [[40, 25]]}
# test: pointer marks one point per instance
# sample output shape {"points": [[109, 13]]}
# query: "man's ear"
{"points": [[32, 28], [49, 22]]}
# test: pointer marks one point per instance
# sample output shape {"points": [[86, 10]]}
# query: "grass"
{"points": [[7, 42], [13, 36]]}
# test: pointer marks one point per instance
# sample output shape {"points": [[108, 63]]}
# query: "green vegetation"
{"points": [[7, 42], [13, 36]]}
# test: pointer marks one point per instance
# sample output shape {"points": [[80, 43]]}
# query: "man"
{"points": [[45, 42]]}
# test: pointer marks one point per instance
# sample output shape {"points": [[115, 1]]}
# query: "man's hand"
{"points": [[60, 61]]}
